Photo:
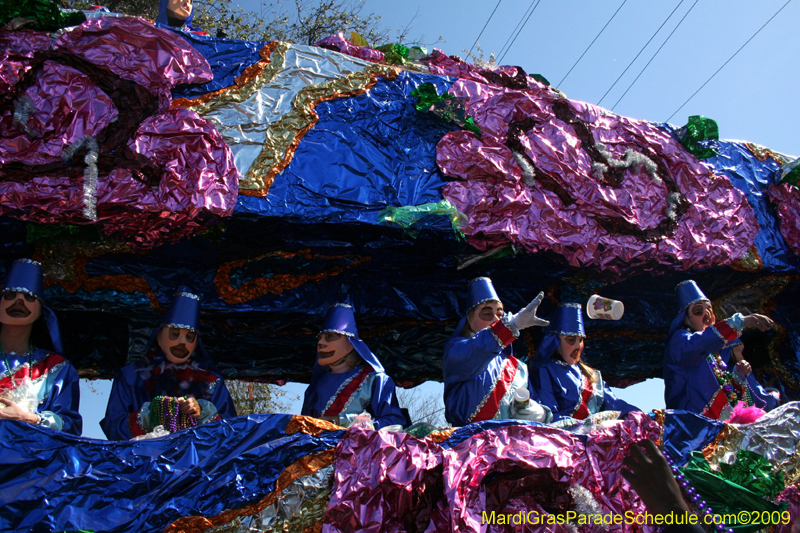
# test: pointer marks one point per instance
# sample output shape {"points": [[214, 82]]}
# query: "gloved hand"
{"points": [[526, 317]]}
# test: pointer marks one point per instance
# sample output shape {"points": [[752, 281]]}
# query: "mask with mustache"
{"points": [[570, 348], [19, 309], [178, 344]]}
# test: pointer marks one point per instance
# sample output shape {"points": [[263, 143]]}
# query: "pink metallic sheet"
{"points": [[599, 189], [16, 51], [790, 495], [339, 43], [135, 50], [386, 482], [177, 172], [787, 201]]}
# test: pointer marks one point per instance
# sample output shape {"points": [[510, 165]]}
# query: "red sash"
{"points": [[715, 406], [583, 410], [492, 404], [344, 395], [40, 368]]}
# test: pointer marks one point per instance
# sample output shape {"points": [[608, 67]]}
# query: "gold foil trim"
{"points": [[285, 135], [277, 283], [762, 153], [254, 77], [750, 262], [302, 467], [708, 451], [440, 436], [309, 425]]}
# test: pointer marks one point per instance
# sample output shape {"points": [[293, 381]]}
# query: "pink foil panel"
{"points": [[338, 42], [787, 200], [386, 482], [136, 50], [66, 106], [617, 220], [177, 172], [16, 51]]}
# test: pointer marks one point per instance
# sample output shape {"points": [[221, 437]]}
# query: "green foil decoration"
{"points": [[407, 216], [753, 471], [726, 496], [446, 106], [695, 132], [394, 54], [791, 173], [46, 14]]}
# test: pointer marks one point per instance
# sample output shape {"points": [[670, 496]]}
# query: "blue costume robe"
{"points": [[689, 380], [376, 395], [135, 385], [559, 386], [472, 368], [51, 389]]}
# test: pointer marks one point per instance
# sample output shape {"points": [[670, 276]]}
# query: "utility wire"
{"points": [[640, 52], [516, 27], [520, 31], [590, 44], [654, 55], [729, 59], [484, 27]]}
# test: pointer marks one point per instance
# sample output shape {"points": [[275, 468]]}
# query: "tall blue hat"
{"points": [[688, 294], [25, 275], [481, 291], [567, 320], [184, 311], [341, 319]]}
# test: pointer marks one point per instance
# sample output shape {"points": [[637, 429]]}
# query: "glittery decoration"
{"points": [[309, 425], [750, 262], [763, 153], [89, 175], [276, 283], [585, 504]]}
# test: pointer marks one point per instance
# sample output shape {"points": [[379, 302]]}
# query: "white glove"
{"points": [[526, 317]]}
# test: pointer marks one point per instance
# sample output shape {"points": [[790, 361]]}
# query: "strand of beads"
{"points": [[695, 499], [165, 412], [727, 381]]}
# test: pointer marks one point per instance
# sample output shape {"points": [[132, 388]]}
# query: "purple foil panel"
{"points": [[384, 482], [790, 495], [787, 200], [338, 42], [160, 173], [599, 189], [65, 106], [136, 50], [394, 482], [16, 51]]}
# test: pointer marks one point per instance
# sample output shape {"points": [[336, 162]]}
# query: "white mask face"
{"points": [[485, 315], [19, 309], [180, 9], [178, 344], [699, 316]]}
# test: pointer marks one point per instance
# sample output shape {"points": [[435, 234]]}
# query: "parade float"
{"points": [[276, 179]]}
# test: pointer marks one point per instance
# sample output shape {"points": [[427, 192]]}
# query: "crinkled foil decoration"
{"points": [[339, 43], [161, 175], [264, 119], [395, 482], [786, 199], [549, 173], [775, 435]]}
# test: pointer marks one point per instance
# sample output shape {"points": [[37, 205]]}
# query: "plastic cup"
{"points": [[600, 308], [521, 398]]}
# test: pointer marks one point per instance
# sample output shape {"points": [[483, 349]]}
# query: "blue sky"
{"points": [[752, 98]]}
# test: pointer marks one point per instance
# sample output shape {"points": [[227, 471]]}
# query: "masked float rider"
{"points": [[563, 382], [174, 385], [704, 371], [36, 385], [347, 378], [481, 373]]}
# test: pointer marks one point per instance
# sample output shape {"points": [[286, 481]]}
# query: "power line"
{"points": [[516, 27], [654, 55], [484, 27], [730, 58], [590, 44], [640, 52], [520, 31]]}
